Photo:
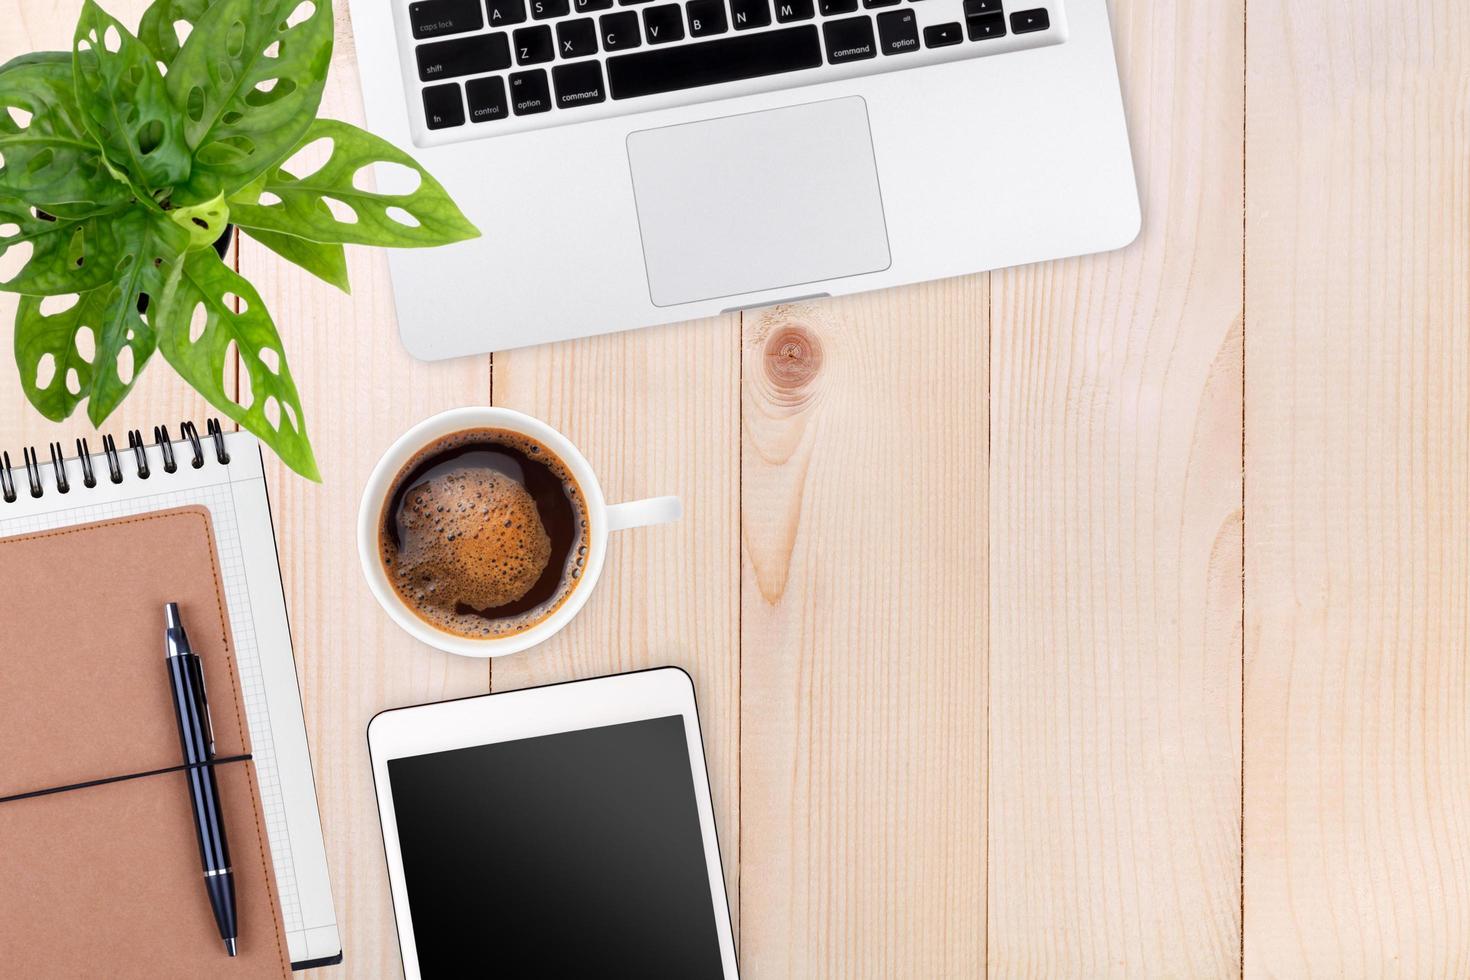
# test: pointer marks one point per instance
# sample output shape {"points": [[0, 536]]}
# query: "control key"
{"points": [[486, 97]]}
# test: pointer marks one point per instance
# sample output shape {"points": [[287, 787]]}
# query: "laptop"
{"points": [[633, 162]]}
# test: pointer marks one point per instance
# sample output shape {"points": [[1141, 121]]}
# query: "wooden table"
{"points": [[1105, 616]]}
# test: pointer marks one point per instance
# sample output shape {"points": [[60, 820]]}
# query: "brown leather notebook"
{"points": [[105, 880]]}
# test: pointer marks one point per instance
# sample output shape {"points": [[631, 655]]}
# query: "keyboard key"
{"points": [[986, 26], [751, 13], [486, 97], [663, 23], [849, 40], [629, 3], [503, 13], [898, 32], [1026, 21], [707, 18], [579, 84], [590, 6], [942, 35], [462, 56], [528, 92], [546, 9], [619, 31], [830, 7], [788, 11], [533, 45], [436, 18], [974, 8], [576, 38], [442, 107], [879, 3], [726, 59]]}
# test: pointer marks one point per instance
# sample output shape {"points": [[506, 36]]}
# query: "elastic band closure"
{"points": [[132, 775]]}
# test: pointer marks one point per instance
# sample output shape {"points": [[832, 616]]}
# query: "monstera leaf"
{"points": [[198, 326], [49, 350], [49, 159], [301, 205], [248, 81], [205, 222], [156, 28], [55, 372], [68, 255], [124, 102], [325, 260]]}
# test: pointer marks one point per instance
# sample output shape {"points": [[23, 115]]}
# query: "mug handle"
{"points": [[639, 513]]}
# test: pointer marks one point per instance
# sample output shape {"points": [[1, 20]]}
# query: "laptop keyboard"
{"points": [[490, 67]]}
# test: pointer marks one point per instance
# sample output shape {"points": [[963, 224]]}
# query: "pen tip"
{"points": [[230, 946], [171, 615]]}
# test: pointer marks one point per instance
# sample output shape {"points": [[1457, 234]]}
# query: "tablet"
{"points": [[559, 831]]}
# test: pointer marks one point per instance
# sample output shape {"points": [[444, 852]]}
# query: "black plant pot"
{"points": [[222, 243]]}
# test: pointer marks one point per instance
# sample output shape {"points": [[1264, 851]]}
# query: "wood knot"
{"points": [[793, 358]]}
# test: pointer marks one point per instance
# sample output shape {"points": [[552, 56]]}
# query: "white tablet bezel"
{"points": [[569, 707]]}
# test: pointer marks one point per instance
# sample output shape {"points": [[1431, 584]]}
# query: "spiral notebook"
{"points": [[224, 473]]}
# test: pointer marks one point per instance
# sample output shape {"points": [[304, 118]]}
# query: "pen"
{"points": [[196, 736]]}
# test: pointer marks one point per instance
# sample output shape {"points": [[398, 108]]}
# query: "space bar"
{"points": [[729, 59]]}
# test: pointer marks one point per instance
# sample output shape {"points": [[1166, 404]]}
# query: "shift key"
{"points": [[463, 56]]}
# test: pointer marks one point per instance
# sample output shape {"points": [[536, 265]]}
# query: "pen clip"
{"points": [[204, 705], [209, 727]]}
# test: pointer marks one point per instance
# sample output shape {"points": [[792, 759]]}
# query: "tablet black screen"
{"points": [[568, 855]]}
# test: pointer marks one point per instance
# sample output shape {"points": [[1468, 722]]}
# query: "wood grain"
{"points": [[656, 412], [360, 390], [961, 574], [1115, 535], [863, 636], [1357, 843]]}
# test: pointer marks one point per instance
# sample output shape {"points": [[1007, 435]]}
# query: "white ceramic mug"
{"points": [[602, 518]]}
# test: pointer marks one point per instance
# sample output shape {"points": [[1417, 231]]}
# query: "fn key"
{"points": [[442, 106]]}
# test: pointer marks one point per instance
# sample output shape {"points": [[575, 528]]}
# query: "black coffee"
{"points": [[484, 533]]}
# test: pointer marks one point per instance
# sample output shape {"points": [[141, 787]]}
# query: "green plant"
{"points": [[127, 158]]}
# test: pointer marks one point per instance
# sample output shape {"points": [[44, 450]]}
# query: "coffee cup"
{"points": [[598, 516]]}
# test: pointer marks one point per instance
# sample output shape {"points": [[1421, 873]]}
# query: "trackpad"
{"points": [[759, 201]]}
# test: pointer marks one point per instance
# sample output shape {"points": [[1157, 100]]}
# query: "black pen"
{"points": [[196, 736]]}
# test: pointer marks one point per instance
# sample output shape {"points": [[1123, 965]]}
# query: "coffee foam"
{"points": [[428, 579], [471, 536]]}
